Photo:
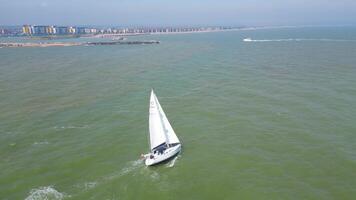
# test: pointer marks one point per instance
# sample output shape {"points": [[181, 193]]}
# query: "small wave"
{"points": [[90, 185], [189, 92], [40, 143], [87, 185], [45, 193], [154, 175], [297, 40], [71, 127]]}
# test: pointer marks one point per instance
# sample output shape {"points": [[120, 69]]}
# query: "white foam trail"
{"points": [[172, 162], [132, 166], [45, 193], [298, 40]]}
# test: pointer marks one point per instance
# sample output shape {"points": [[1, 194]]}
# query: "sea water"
{"points": [[257, 120]]}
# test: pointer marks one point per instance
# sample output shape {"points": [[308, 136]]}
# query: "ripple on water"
{"points": [[71, 127], [40, 143]]}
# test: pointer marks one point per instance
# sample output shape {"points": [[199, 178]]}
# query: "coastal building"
{"points": [[39, 30], [87, 31], [62, 30], [10, 31], [28, 30], [84, 30], [50, 30], [80, 30], [71, 30]]}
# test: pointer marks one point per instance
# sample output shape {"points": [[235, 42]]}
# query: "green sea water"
{"points": [[274, 118]]}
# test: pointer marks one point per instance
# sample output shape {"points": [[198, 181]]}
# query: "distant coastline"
{"points": [[73, 31], [68, 44]]}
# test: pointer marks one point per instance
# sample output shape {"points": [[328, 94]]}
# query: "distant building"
{"points": [[8, 32], [40, 30], [65, 30], [88, 31], [84, 30], [62, 30], [80, 30], [71, 30], [28, 30], [51, 30]]}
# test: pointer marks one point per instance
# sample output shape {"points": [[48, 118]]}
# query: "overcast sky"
{"points": [[178, 12]]}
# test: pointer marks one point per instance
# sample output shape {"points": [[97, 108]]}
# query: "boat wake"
{"points": [[172, 162], [47, 192], [132, 165], [298, 40]]}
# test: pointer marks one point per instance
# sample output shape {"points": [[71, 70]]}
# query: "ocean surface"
{"points": [[272, 118]]}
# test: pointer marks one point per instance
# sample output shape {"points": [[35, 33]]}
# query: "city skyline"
{"points": [[178, 13]]}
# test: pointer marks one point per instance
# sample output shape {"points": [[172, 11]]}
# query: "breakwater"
{"points": [[66, 44]]}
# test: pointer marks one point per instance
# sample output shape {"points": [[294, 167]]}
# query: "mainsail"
{"points": [[170, 134], [161, 130]]}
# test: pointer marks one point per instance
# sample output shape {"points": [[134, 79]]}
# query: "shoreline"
{"points": [[159, 33], [69, 44]]}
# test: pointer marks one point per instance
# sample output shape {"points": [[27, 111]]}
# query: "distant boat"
{"points": [[164, 143], [247, 40]]}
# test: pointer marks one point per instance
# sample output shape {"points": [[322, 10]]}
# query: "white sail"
{"points": [[169, 132], [157, 134], [161, 133]]}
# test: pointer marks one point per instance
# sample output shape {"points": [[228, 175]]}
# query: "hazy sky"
{"points": [[178, 12]]}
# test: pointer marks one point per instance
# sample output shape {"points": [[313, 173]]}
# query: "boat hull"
{"points": [[167, 154]]}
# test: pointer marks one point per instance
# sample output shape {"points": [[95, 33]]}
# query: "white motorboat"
{"points": [[164, 143], [247, 40]]}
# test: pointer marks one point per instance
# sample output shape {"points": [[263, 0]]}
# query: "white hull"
{"points": [[168, 153]]}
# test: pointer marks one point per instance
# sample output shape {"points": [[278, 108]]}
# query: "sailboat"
{"points": [[164, 143]]}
